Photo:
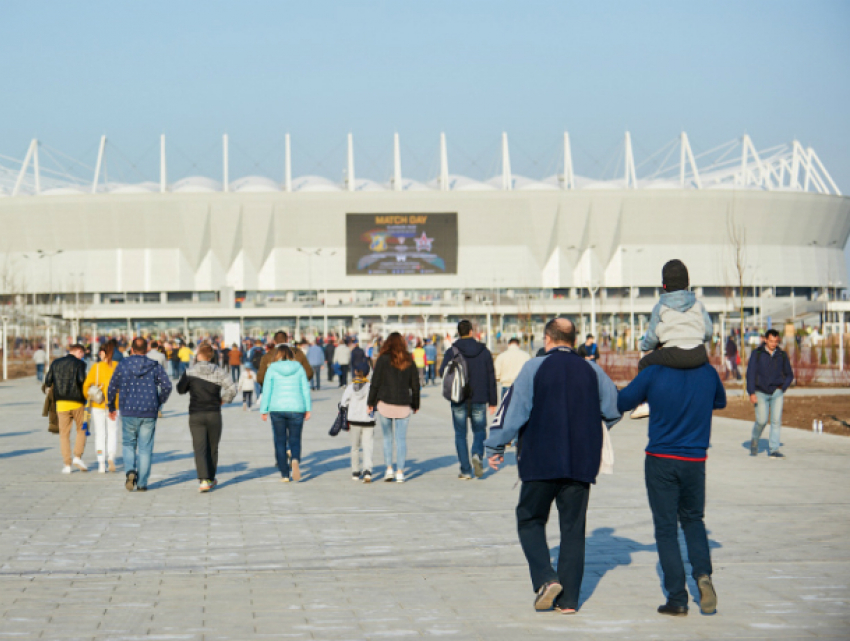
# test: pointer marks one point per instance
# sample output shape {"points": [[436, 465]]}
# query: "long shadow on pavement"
{"points": [[15, 453], [192, 475], [16, 433]]}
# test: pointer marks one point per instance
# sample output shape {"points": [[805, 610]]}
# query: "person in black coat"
{"points": [[394, 393]]}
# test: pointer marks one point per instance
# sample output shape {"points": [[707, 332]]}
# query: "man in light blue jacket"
{"points": [[316, 358]]}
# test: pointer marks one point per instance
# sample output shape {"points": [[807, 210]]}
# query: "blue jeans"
{"points": [[400, 440], [430, 373], [138, 433], [316, 383], [477, 415], [286, 428], [676, 491], [182, 369], [39, 372], [769, 406]]}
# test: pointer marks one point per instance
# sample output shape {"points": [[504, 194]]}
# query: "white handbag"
{"points": [[96, 394], [606, 464]]}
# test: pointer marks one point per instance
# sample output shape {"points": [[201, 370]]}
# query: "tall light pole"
{"points": [[310, 253], [325, 285], [5, 320], [49, 255], [632, 297]]}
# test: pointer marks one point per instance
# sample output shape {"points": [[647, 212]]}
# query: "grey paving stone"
{"points": [[81, 558]]}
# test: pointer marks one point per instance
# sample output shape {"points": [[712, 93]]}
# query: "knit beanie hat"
{"points": [[674, 276]]}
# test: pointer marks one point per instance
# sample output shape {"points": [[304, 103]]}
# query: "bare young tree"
{"points": [[738, 244]]}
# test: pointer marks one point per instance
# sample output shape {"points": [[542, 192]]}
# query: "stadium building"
{"points": [[314, 255]]}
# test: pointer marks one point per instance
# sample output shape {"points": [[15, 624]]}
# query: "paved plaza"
{"points": [[81, 558]]}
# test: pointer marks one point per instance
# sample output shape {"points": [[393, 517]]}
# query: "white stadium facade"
{"points": [[309, 254]]}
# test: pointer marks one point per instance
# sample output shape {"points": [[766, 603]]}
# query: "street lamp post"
{"points": [[632, 297], [5, 320], [49, 255]]}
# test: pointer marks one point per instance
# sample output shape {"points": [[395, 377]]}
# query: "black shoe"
{"points": [[130, 483], [707, 595], [754, 447], [141, 489], [776, 455], [367, 476], [355, 476], [673, 610], [546, 595]]}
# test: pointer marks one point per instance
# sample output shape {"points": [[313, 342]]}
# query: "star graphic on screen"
{"points": [[423, 243]]}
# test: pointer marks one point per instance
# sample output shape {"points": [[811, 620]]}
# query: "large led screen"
{"points": [[404, 244]]}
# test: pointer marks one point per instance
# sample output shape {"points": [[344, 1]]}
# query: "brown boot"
{"points": [[296, 471]]}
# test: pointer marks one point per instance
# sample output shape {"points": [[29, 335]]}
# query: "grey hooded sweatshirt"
{"points": [[678, 320]]}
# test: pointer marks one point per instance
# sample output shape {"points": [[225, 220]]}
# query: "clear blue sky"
{"points": [[194, 70]]}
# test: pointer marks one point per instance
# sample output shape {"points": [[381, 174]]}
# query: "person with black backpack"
{"points": [[469, 384]]}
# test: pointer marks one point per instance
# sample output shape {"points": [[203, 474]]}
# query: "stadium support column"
{"points": [[32, 149], [349, 178], [425, 329], [722, 341], [287, 179], [226, 164], [631, 177], [444, 164], [506, 164], [162, 163], [99, 164], [569, 178], [396, 164]]}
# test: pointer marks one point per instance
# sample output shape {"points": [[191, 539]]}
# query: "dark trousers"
{"points": [[206, 434], [676, 491], [286, 427], [330, 372], [675, 357], [532, 513], [343, 375], [246, 398], [316, 383], [234, 372]]}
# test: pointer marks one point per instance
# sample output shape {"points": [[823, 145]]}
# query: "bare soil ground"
{"points": [[800, 411]]}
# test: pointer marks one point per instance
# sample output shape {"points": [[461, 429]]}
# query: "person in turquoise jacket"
{"points": [[286, 398]]}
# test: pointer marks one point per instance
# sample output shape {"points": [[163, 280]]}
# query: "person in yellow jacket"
{"points": [[185, 354], [105, 429], [419, 361]]}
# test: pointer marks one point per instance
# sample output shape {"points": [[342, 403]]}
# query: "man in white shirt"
{"points": [[509, 363], [39, 357], [342, 357]]}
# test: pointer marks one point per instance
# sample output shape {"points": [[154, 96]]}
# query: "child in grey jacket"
{"points": [[361, 424], [679, 323]]}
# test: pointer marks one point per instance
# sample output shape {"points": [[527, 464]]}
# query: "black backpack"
{"points": [[256, 358], [456, 387], [341, 422]]}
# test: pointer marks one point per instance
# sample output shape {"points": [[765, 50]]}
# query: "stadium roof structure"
{"points": [[736, 164]]}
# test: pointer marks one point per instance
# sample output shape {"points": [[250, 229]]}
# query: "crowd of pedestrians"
{"points": [[556, 409]]}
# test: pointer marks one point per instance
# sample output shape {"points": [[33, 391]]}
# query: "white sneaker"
{"points": [[66, 469], [101, 467], [399, 477], [641, 411], [79, 463], [389, 476]]}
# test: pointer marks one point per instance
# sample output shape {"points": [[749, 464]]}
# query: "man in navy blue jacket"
{"points": [[682, 401], [556, 408], [482, 380], [141, 387], [769, 374]]}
